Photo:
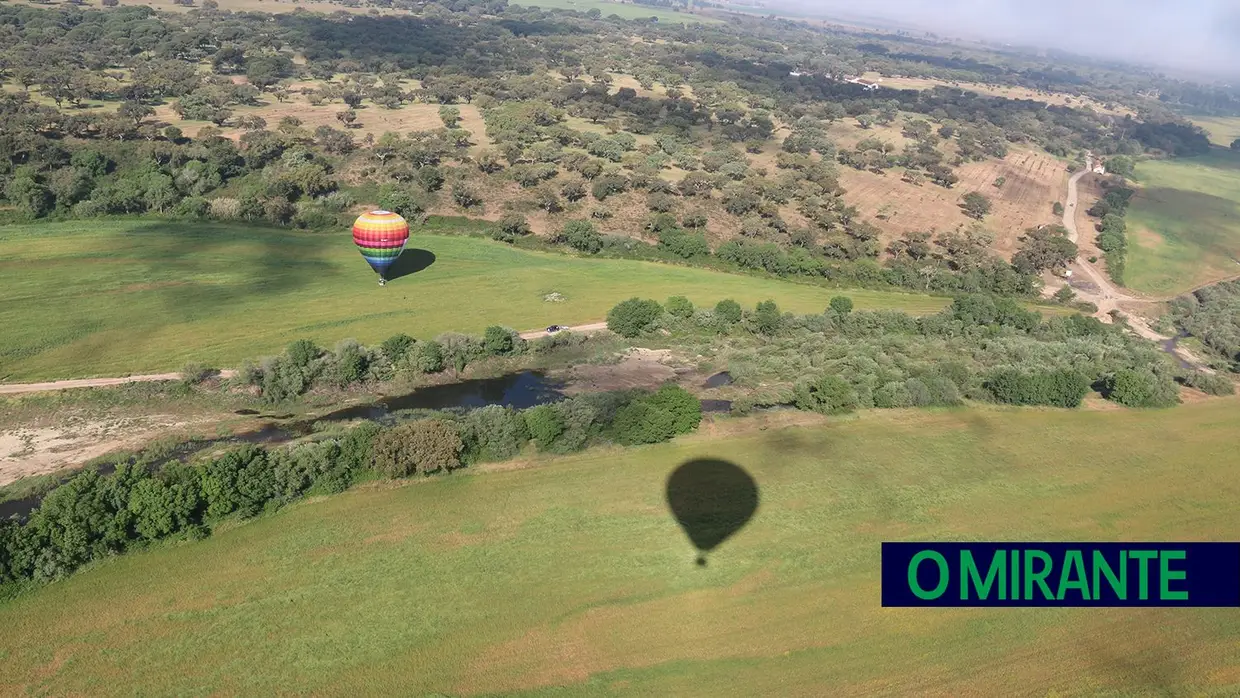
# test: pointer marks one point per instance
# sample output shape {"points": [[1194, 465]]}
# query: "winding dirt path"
{"points": [[1107, 297], [16, 388]]}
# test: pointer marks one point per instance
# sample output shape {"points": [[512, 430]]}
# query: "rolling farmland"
{"points": [[568, 576], [1034, 181]]}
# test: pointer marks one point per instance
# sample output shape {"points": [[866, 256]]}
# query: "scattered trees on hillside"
{"points": [[1044, 247], [976, 204]]}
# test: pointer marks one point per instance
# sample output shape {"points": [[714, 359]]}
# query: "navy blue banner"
{"points": [[1061, 574]]}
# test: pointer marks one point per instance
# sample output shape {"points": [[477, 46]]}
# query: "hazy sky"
{"points": [[1194, 34]]}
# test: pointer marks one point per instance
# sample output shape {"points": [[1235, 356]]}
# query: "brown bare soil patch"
{"points": [[1089, 190], [371, 118], [40, 449], [639, 368], [847, 134], [1034, 181], [1009, 92]]}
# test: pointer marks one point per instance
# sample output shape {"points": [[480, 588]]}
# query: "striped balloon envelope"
{"points": [[381, 237]]}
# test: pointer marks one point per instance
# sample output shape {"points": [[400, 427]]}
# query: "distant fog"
{"points": [[1198, 35]]}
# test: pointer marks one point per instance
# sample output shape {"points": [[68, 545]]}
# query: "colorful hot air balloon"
{"points": [[381, 236]]}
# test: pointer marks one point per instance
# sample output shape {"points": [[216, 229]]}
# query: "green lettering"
{"points": [[1143, 579], [1165, 575], [912, 575], [1015, 575], [1073, 563], [1038, 577], [1120, 584], [970, 573]]}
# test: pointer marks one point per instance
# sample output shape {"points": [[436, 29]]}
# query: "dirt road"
{"points": [[592, 327], [16, 388], [1107, 297]]}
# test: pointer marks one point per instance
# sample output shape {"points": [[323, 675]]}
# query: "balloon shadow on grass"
{"points": [[410, 261], [711, 499]]}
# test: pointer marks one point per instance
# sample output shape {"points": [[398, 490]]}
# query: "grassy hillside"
{"points": [[571, 573], [106, 297], [1184, 224], [1222, 129], [623, 10]]}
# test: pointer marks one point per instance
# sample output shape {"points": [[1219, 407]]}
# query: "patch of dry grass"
{"points": [[1006, 91]]}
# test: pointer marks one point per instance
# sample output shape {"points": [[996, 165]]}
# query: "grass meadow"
{"points": [[110, 297], [622, 10], [568, 576], [1222, 129], [1184, 224]]}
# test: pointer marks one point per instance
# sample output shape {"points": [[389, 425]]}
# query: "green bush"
{"points": [[641, 422], [430, 357], [1210, 383], [400, 200], [841, 305], [633, 317], [421, 447], [893, 394], [767, 317], [684, 245], [1140, 388], [544, 425], [241, 481], [302, 352], [686, 410], [1058, 388], [679, 306], [828, 394], [580, 235], [511, 227], [350, 362], [728, 311], [160, 510], [397, 346], [493, 433], [502, 341]]}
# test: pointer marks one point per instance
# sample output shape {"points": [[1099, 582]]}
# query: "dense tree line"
{"points": [[1112, 238], [304, 366], [1212, 315], [979, 348], [93, 516]]}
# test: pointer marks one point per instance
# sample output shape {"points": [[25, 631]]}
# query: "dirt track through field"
{"points": [[1032, 182], [16, 388], [1107, 297]]}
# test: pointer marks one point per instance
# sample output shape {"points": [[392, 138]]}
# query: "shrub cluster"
{"points": [[92, 516], [980, 347], [304, 365], [1212, 315], [1111, 229]]}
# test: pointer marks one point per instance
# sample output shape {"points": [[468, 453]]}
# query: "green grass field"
{"points": [[569, 576], [110, 297], [622, 10], [1184, 225], [1222, 129]]}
